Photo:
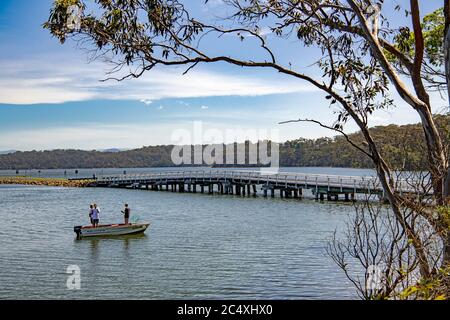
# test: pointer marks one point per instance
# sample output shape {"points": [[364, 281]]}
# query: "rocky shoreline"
{"points": [[53, 182]]}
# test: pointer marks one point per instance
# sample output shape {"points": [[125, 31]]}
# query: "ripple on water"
{"points": [[198, 246]]}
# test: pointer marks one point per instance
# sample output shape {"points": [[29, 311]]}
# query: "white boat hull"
{"points": [[110, 230]]}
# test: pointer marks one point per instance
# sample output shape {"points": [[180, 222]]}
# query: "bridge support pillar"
{"points": [[322, 196], [352, 196], [272, 192], [346, 197], [202, 188], [265, 193], [336, 197], [254, 190], [243, 190]]}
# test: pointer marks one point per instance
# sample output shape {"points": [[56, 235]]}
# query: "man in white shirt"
{"points": [[95, 215]]}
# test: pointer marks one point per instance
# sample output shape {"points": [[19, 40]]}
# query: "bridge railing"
{"points": [[260, 177], [250, 175]]}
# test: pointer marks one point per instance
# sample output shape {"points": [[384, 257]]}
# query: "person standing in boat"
{"points": [[91, 209], [95, 215], [126, 213]]}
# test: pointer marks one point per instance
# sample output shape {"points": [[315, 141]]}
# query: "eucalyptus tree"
{"points": [[363, 57]]}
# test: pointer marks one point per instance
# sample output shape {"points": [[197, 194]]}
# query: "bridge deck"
{"points": [[241, 182]]}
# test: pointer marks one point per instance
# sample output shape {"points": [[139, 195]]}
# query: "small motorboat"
{"points": [[110, 230]]}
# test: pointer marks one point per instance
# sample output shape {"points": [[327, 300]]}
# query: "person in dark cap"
{"points": [[126, 213]]}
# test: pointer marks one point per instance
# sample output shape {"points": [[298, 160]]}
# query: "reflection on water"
{"points": [[95, 243], [199, 246], [124, 238], [94, 249]]}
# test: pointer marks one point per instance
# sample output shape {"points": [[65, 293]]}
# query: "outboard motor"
{"points": [[77, 230]]}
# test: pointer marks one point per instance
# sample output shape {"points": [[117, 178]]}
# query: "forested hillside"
{"points": [[402, 145]]}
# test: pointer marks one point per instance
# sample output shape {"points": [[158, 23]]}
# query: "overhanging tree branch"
{"points": [[332, 129]]}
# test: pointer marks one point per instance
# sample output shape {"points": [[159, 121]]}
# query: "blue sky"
{"points": [[50, 97]]}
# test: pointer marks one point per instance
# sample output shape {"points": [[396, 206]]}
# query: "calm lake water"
{"points": [[198, 246]]}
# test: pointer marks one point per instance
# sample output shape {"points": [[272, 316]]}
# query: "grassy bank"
{"points": [[54, 182]]}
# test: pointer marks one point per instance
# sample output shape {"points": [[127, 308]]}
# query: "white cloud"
{"points": [[146, 101], [100, 136], [262, 31], [92, 136], [214, 3], [34, 81], [204, 107], [184, 103]]}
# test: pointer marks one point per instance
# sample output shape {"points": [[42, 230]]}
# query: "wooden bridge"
{"points": [[247, 183]]}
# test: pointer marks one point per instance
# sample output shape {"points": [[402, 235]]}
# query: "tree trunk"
{"points": [[419, 100], [385, 177], [446, 191], [446, 256], [436, 154], [447, 187]]}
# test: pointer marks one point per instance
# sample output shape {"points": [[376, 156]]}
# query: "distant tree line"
{"points": [[403, 146]]}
